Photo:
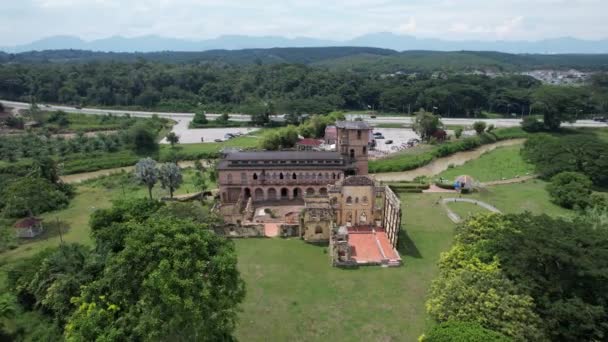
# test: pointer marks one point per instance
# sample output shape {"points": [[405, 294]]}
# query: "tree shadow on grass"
{"points": [[406, 245]]}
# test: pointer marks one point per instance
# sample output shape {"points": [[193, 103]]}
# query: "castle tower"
{"points": [[352, 142]]}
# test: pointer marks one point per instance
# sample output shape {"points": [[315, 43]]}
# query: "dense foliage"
{"points": [[157, 272], [528, 277], [280, 88], [570, 190], [584, 153], [462, 332]]}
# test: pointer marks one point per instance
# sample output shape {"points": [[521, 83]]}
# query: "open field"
{"points": [[501, 163]]}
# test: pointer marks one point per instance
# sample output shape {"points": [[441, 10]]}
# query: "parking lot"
{"points": [[192, 136], [399, 136]]}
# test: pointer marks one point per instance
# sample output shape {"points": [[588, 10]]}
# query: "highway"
{"points": [[244, 117]]}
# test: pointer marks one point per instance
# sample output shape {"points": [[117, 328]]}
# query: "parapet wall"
{"points": [[391, 219]]}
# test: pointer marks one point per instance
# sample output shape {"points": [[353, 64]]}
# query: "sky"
{"points": [[23, 21]]}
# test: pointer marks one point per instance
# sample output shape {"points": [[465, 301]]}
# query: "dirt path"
{"points": [[80, 177], [441, 164], [510, 180]]}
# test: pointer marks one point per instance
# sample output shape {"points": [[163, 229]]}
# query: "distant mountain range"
{"points": [[385, 40]]}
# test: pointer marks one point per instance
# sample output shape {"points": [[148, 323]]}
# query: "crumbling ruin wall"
{"points": [[391, 220]]}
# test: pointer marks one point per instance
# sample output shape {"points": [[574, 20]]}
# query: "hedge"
{"points": [[404, 161]]}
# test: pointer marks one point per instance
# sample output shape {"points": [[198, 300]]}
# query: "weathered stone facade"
{"points": [[289, 175]]}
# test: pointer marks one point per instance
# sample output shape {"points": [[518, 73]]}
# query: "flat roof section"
{"points": [[284, 155]]}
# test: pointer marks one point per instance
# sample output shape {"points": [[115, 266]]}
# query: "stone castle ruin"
{"points": [[319, 196]]}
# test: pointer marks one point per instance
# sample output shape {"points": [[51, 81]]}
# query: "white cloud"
{"points": [[26, 20]]}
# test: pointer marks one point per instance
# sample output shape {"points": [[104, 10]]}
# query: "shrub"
{"points": [[531, 124], [570, 190], [479, 127], [455, 331], [458, 132]]}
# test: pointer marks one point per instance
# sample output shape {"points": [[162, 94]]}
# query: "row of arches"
{"points": [[295, 176], [271, 194]]}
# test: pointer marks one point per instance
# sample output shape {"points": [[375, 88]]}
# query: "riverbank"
{"points": [[439, 165]]}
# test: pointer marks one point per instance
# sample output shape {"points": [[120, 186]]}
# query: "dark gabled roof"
{"points": [[358, 181], [353, 125], [284, 155]]}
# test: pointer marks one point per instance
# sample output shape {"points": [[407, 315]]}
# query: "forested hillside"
{"points": [[289, 88], [360, 59]]}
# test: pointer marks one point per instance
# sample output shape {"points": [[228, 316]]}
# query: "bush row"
{"points": [[404, 162]]}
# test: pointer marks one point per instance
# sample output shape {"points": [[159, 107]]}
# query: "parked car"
{"points": [[218, 140], [388, 142], [372, 116], [228, 136], [377, 133], [379, 136]]}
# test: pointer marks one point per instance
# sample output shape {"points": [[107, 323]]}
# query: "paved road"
{"points": [[245, 117]]}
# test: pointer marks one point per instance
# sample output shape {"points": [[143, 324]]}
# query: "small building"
{"points": [[331, 135], [29, 227], [308, 144], [464, 183]]}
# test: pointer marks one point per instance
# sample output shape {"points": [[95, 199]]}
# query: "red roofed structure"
{"points": [[28, 227], [308, 144]]}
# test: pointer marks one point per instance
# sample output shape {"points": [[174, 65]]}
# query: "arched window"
{"points": [[349, 200], [358, 134], [281, 175], [356, 199], [255, 176], [364, 150], [293, 176], [364, 199], [333, 176], [352, 153], [320, 175], [318, 230]]}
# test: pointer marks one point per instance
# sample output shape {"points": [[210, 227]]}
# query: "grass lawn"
{"points": [[504, 162], [294, 294], [465, 210]]}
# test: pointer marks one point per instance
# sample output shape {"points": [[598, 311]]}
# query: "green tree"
{"points": [[200, 119], [147, 173], [557, 104], [172, 138], [143, 139], [170, 177], [200, 183], [223, 119], [425, 124], [486, 297], [31, 196], [479, 127], [458, 132], [172, 281], [570, 190]]}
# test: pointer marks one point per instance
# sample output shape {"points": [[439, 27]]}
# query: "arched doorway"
{"points": [[284, 193], [310, 192], [258, 194], [272, 194], [247, 193], [297, 193], [323, 191]]}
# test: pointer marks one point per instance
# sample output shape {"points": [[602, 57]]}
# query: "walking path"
{"points": [[455, 217]]}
